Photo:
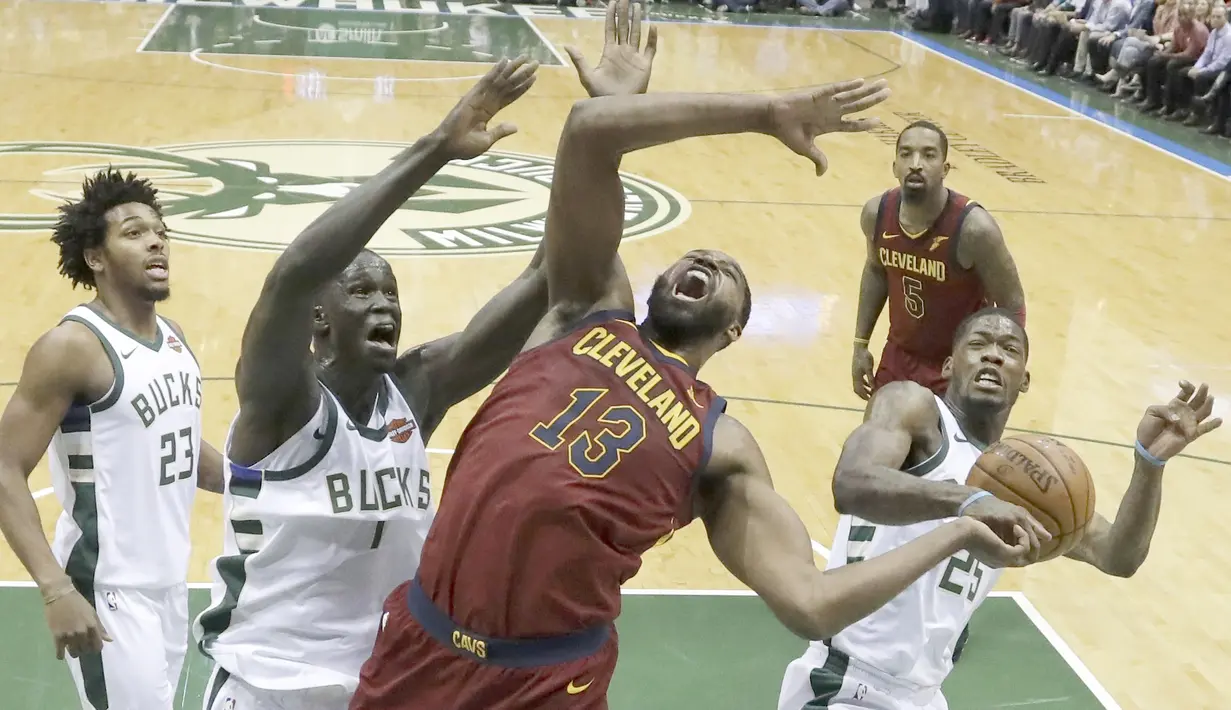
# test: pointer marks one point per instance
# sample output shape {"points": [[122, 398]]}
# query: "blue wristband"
{"points": [[1149, 457], [973, 497]]}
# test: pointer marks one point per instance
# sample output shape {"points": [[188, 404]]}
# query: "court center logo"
{"points": [[259, 195]]}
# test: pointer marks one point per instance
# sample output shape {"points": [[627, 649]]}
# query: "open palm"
{"points": [[1167, 428], [465, 130], [798, 118], [624, 68]]}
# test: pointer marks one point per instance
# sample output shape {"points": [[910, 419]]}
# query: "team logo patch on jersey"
{"points": [[175, 344], [401, 430], [258, 195]]}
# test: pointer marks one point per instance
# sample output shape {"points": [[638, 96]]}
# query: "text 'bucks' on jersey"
{"points": [[318, 533], [125, 467], [914, 635]]}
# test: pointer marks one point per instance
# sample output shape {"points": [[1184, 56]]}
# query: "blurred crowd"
{"points": [[1169, 58]]}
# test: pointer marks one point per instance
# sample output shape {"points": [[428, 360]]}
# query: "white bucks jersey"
{"points": [[125, 467], [913, 636], [317, 535]]}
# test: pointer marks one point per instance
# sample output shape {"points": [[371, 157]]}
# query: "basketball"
{"points": [[1046, 478]]}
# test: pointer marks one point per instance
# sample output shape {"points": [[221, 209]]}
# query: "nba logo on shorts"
{"points": [[111, 603], [860, 691], [228, 704]]}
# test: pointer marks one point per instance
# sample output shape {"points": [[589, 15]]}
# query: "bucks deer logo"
{"points": [[260, 194]]}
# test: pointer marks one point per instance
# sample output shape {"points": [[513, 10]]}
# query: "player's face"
{"points": [[135, 254], [700, 296], [920, 165], [363, 315], [988, 366]]}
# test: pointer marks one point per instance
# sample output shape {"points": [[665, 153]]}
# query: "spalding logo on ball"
{"points": [[1046, 478]]}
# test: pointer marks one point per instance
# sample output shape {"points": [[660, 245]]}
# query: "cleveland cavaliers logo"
{"points": [[401, 430]]}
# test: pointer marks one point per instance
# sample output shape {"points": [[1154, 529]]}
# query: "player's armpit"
{"points": [[66, 364], [869, 481], [758, 537], [445, 371]]}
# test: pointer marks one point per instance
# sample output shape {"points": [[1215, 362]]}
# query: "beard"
{"points": [[677, 322]]}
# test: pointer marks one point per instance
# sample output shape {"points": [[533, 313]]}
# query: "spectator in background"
{"points": [[1021, 19], [1140, 23], [1164, 69], [1047, 30], [837, 8], [1203, 74], [1218, 98], [1062, 44], [1128, 60], [989, 19], [1113, 16]]}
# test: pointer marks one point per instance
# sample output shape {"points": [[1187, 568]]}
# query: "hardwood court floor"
{"points": [[1119, 245]]}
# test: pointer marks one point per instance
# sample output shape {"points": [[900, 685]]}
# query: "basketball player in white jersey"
{"points": [[902, 474], [113, 395], [328, 499]]}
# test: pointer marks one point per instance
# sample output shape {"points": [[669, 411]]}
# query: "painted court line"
{"points": [[1049, 117], [542, 37], [42, 493], [153, 30], [1141, 135], [1067, 653]]}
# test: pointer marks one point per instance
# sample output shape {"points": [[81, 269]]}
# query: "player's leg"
{"points": [[131, 671], [175, 631], [822, 679], [224, 691]]}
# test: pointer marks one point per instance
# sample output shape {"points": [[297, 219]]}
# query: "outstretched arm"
{"points": [[586, 195], [983, 249], [870, 482], [446, 371], [274, 375], [873, 292], [761, 540], [1121, 547]]}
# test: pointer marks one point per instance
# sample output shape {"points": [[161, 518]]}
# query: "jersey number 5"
{"points": [[170, 454], [912, 289], [595, 453]]}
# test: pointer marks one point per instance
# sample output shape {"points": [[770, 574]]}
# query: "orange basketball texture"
{"points": [[1046, 478]]}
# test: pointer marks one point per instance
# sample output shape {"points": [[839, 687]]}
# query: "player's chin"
{"points": [[156, 291]]}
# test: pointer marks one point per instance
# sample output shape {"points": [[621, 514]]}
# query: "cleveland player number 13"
{"points": [[593, 455]]}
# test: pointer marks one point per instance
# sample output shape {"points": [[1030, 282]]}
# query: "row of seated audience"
{"points": [[1171, 58]]}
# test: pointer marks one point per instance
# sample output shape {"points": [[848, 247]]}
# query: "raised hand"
{"points": [[465, 130], [624, 68], [798, 118], [1166, 429]]}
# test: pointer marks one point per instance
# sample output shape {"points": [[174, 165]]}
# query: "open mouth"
{"points": [[915, 180], [157, 269], [383, 335], [988, 379], [694, 285]]}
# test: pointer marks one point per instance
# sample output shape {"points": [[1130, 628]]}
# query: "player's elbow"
{"points": [[850, 490], [585, 118]]}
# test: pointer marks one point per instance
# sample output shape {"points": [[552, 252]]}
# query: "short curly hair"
{"points": [[83, 224]]}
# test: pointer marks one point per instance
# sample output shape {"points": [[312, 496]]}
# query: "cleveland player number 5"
{"points": [[912, 289]]}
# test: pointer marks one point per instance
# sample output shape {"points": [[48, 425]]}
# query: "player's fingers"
{"points": [[1202, 401], [867, 102], [818, 159], [835, 88], [621, 21], [503, 130], [609, 30], [578, 59], [651, 43], [1167, 414], [860, 125], [60, 648], [634, 31], [1207, 427], [524, 71], [1040, 531], [518, 91], [495, 72], [1186, 390], [102, 631], [861, 93]]}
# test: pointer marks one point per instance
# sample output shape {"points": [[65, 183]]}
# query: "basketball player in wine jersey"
{"points": [[902, 473], [936, 256], [113, 395], [601, 441]]}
